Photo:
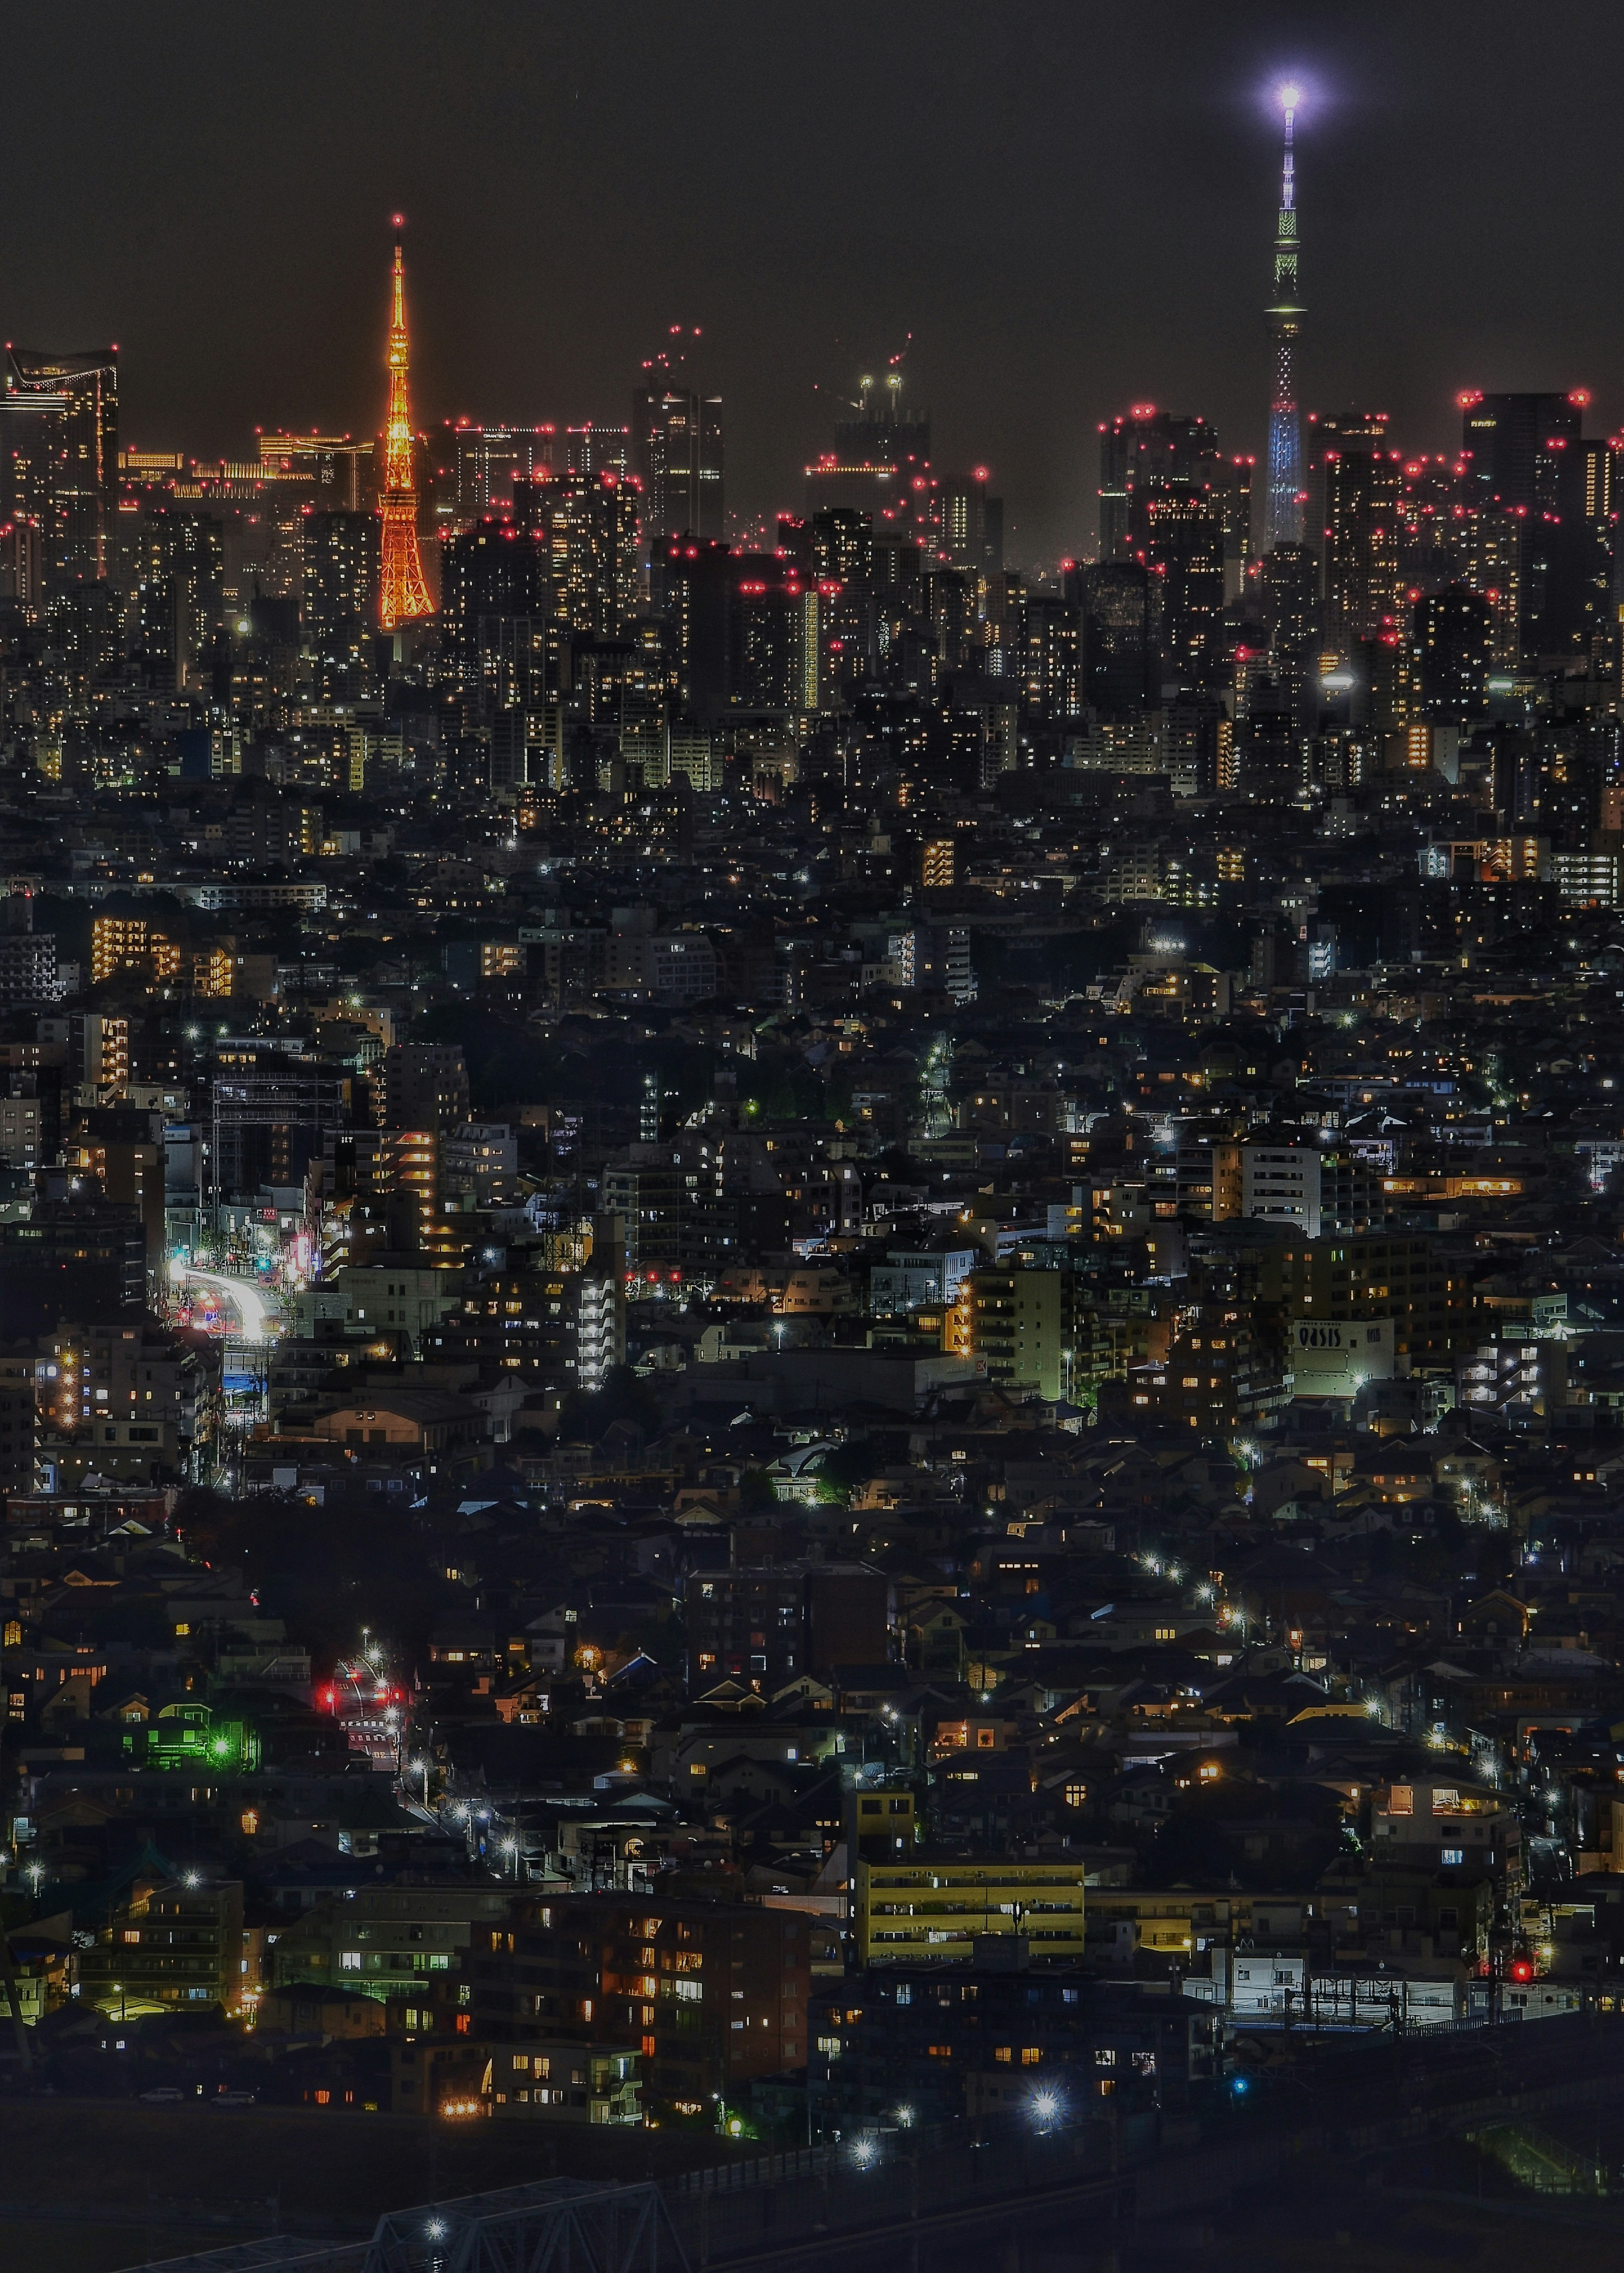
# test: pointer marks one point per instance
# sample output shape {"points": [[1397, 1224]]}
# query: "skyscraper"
{"points": [[1527, 457], [1183, 546], [493, 467], [677, 450], [972, 523], [338, 602], [1121, 636], [1355, 487], [1282, 494], [60, 420], [1454, 638], [1142, 447], [496, 603], [403, 595], [880, 464]]}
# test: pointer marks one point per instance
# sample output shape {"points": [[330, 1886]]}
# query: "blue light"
{"points": [[1241, 2084]]}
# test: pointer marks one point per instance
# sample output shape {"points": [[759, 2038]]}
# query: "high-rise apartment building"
{"points": [[1355, 498], [1121, 604], [1455, 646], [338, 602], [592, 521], [1183, 547], [496, 607]]}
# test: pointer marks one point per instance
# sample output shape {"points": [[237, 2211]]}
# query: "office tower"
{"points": [[1453, 642], [1527, 457], [595, 449], [1183, 546], [402, 595], [1143, 448], [1514, 444], [338, 604], [492, 467], [60, 423], [1356, 485], [835, 550], [1282, 494], [972, 523], [337, 465], [676, 451], [880, 464], [882, 433]]}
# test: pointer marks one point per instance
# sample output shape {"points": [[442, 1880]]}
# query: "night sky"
{"points": [[1069, 207]]}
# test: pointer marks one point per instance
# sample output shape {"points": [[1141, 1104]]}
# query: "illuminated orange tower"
{"points": [[402, 595]]}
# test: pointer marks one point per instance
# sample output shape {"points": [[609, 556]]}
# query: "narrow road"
{"points": [[257, 1318]]}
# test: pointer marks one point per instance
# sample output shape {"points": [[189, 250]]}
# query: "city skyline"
{"points": [[811, 1291], [1052, 255]]}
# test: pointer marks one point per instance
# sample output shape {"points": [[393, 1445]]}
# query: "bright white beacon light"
{"points": [[1289, 95]]}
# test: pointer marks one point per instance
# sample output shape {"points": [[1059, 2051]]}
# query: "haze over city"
{"points": [[1064, 208]]}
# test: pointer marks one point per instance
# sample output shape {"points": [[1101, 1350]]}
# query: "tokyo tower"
{"points": [[1282, 498], [402, 595]]}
